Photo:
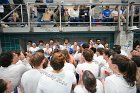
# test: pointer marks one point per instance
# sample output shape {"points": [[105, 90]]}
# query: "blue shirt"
{"points": [[106, 13]]}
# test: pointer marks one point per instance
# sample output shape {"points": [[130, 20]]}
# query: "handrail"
{"points": [[72, 4], [11, 12]]}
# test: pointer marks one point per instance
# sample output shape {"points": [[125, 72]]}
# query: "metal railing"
{"points": [[129, 22]]}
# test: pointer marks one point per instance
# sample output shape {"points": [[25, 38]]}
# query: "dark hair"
{"points": [[6, 59], [127, 67], [136, 59], [36, 59], [45, 63], [88, 54], [98, 39], [57, 61], [93, 49], [40, 50], [117, 49], [41, 41], [100, 50], [85, 45], [108, 52], [66, 54], [89, 81], [3, 86]]}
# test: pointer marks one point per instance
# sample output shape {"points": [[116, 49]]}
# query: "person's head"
{"points": [[90, 41], [106, 45], [51, 42], [85, 45], [98, 41], [88, 54], [66, 54], [22, 56], [117, 49], [100, 51], [93, 49], [75, 8], [136, 59], [5, 86], [116, 8], [135, 53], [40, 50], [107, 7], [34, 45], [57, 61], [121, 64], [138, 48], [37, 59], [89, 81], [66, 41], [41, 43], [30, 43], [6, 59]]}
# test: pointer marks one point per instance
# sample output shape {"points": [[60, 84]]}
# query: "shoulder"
{"points": [[78, 89]]}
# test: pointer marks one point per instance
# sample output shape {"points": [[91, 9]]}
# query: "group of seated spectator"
{"points": [[54, 68]]}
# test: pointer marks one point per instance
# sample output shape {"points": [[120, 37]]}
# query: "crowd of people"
{"points": [[72, 14], [86, 68]]}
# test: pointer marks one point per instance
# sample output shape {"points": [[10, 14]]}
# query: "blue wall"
{"points": [[12, 41]]}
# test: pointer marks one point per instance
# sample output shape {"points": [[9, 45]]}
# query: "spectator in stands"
{"points": [[14, 17], [56, 15], [124, 77], [84, 13], [98, 44], [9, 70], [5, 86], [74, 15], [114, 14], [40, 11], [30, 79], [24, 11], [87, 55], [89, 84], [58, 80], [106, 15]]}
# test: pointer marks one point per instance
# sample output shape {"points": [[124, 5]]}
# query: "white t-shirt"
{"points": [[99, 46], [100, 60], [56, 82], [69, 66], [25, 62], [74, 13], [29, 81], [117, 84], [13, 73], [82, 89], [94, 68], [33, 50]]}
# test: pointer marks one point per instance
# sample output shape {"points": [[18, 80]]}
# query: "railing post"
{"points": [[90, 17], [21, 13], [119, 18], [132, 16], [127, 18], [60, 17], [28, 11]]}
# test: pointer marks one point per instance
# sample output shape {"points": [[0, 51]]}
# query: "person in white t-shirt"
{"points": [[30, 79], [124, 78], [9, 70], [34, 48], [89, 84], [58, 80], [88, 64], [99, 44]]}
